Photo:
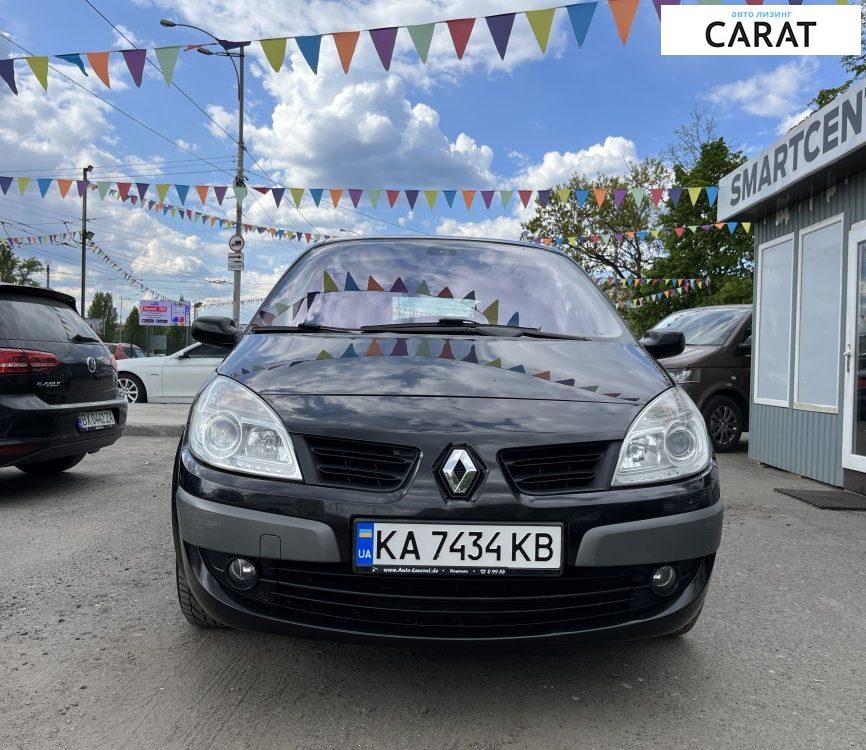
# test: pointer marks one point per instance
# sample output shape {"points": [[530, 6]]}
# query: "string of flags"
{"points": [[642, 234], [218, 302], [37, 240], [634, 281], [468, 197], [128, 277], [384, 39], [168, 209], [666, 294]]}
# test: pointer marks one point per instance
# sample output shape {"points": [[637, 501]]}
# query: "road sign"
{"points": [[236, 264], [236, 243]]}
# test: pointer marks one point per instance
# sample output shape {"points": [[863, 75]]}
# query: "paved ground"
{"points": [[95, 652], [156, 420]]}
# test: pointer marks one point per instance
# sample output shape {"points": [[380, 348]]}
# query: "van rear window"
{"points": [[28, 318]]}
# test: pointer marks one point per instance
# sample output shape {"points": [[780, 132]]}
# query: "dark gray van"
{"points": [[714, 367]]}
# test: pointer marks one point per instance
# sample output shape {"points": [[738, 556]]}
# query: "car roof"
{"points": [[38, 291], [744, 306]]}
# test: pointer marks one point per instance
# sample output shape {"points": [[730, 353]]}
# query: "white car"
{"points": [[172, 379]]}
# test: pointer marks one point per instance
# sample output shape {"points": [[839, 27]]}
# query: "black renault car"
{"points": [[58, 383], [443, 440]]}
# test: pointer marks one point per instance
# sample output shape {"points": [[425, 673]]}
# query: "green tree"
{"points": [[133, 331], [620, 256], [727, 259], [854, 65], [102, 307], [15, 270]]}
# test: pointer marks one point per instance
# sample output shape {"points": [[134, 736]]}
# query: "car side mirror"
{"points": [[216, 331], [744, 348], [663, 343]]}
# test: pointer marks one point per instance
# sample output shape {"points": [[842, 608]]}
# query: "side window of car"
{"points": [[205, 351]]}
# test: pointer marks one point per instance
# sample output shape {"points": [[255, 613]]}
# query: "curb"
{"points": [[153, 430]]}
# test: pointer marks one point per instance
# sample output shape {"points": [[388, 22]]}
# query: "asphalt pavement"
{"points": [[95, 652]]}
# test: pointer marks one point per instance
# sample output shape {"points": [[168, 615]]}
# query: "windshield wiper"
{"points": [[460, 325], [302, 328]]}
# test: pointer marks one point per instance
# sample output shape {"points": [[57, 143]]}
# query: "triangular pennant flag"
{"points": [[297, 195], [219, 191], [544, 197], [580, 16], [468, 197], [540, 21], [392, 196], [525, 197], [471, 356], [383, 41], [373, 285], [658, 5], [336, 194], [162, 191], [400, 349], [310, 47], [355, 195], [518, 368], [200, 189], [81, 185], [495, 362], [712, 194], [123, 189], [328, 283], [350, 285], [167, 58], [747, 225], [500, 29], [461, 30], [278, 193], [39, 67], [135, 59], [619, 195], [600, 194], [99, 64], [346, 42], [373, 197], [182, 191], [75, 59], [563, 195], [7, 73], [423, 349], [695, 195], [449, 197], [275, 51], [674, 195], [446, 352], [491, 312], [581, 196], [445, 294], [43, 183], [656, 195], [514, 320], [487, 197], [399, 286], [63, 185], [240, 193], [375, 350], [316, 195], [142, 188], [350, 352], [638, 196], [623, 12], [542, 375], [422, 35], [431, 196], [505, 196], [5, 184], [411, 196], [423, 289], [103, 188]]}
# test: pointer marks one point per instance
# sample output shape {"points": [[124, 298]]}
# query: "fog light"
{"points": [[664, 580], [242, 574]]}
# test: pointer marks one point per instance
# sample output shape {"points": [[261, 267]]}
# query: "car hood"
{"points": [[690, 356], [457, 367], [140, 362]]}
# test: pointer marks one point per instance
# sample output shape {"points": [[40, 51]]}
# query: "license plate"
{"points": [[457, 548], [95, 420]]}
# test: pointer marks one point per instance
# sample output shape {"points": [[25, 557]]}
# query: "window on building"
{"points": [[773, 324], [819, 314]]}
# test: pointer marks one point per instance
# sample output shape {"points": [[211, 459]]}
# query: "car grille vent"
{"points": [[556, 469], [363, 466]]}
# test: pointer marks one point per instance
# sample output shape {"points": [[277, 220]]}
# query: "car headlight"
{"points": [[233, 428], [668, 440], [681, 375]]}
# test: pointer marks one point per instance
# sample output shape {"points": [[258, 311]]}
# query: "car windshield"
{"points": [[398, 282], [707, 327]]}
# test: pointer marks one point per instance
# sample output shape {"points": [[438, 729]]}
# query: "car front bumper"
{"points": [[32, 430], [308, 588]]}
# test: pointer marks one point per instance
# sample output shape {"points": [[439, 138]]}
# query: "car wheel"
{"points": [[190, 607], [687, 627], [131, 388], [724, 423], [54, 466]]}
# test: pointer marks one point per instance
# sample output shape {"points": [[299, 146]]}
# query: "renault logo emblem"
{"points": [[91, 364], [459, 471]]}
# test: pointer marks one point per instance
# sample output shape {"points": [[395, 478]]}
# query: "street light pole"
{"points": [[84, 173], [239, 173]]}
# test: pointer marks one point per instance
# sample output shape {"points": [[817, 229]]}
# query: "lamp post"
{"points": [[239, 174], [84, 172]]}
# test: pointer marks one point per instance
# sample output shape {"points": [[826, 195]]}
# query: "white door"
{"points": [[183, 372], [854, 358]]}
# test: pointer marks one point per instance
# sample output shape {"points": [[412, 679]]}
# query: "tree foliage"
{"points": [[15, 270], [102, 307]]}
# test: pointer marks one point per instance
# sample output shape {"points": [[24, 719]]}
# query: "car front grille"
{"points": [[359, 465], [332, 596], [557, 469]]}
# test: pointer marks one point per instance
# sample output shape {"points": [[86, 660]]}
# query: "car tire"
{"points": [[52, 466], [724, 419], [687, 627], [192, 611], [131, 388]]}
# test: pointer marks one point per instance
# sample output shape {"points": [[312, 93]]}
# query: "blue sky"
{"points": [[528, 122]]}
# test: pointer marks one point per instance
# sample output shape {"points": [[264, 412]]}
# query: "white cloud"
{"points": [[773, 93], [611, 157], [792, 120], [500, 227]]}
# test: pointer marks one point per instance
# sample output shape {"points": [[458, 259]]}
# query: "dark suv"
{"points": [[714, 367], [438, 440], [58, 383]]}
